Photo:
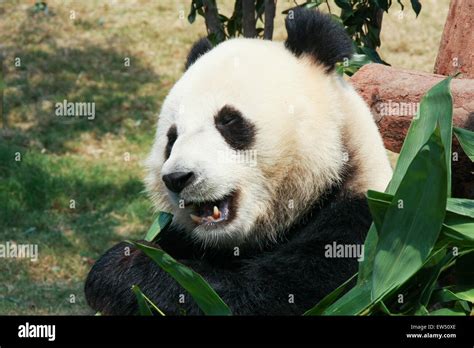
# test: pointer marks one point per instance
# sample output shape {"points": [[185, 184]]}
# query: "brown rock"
{"points": [[393, 96], [456, 51]]}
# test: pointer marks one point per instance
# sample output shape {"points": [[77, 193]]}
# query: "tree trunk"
{"points": [[249, 20], [270, 9], [456, 51], [379, 23], [211, 17], [393, 96]]}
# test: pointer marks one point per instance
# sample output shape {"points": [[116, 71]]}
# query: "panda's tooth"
{"points": [[195, 218], [216, 213]]}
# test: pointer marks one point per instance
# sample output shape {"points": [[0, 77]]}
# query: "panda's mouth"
{"points": [[214, 212]]}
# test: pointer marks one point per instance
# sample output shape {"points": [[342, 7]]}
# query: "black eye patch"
{"points": [[238, 132], [172, 136]]}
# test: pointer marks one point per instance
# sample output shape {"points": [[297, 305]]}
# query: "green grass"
{"points": [[80, 160], [35, 196], [82, 60]]}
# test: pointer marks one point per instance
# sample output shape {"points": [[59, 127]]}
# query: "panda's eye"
{"points": [[237, 131], [227, 119], [172, 136]]}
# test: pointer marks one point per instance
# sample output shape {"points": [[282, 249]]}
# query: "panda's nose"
{"points": [[177, 181]]}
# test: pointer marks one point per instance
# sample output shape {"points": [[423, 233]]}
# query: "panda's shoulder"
{"points": [[344, 217]]}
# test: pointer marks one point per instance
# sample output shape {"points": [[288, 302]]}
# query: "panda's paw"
{"points": [[108, 285]]}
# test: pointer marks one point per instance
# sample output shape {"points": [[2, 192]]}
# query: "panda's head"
{"points": [[251, 134]]}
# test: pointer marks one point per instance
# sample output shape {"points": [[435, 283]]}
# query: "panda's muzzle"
{"points": [[177, 181], [214, 212]]}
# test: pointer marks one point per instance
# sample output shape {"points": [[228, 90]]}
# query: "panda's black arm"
{"points": [[108, 285], [287, 280], [277, 283]]}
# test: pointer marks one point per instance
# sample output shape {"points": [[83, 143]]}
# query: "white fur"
{"points": [[301, 114]]}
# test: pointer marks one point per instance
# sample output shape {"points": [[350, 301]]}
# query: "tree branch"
{"points": [[211, 17], [270, 9], [249, 21]]}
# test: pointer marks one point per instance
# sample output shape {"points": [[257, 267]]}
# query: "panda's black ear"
{"points": [[199, 48], [316, 34]]}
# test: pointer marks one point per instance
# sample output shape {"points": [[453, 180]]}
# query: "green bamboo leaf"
{"points": [[447, 295], [378, 203], [463, 305], [434, 273], [380, 196], [417, 290], [329, 299], [162, 220], [142, 304], [422, 311], [458, 224], [358, 300], [384, 309], [366, 265], [465, 294], [206, 298], [355, 302], [461, 206], [466, 139], [459, 229], [435, 107], [448, 311], [443, 295], [413, 220], [351, 66], [429, 274], [145, 305]]}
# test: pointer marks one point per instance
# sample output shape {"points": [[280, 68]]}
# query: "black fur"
{"points": [[317, 35], [199, 48], [237, 131], [258, 282]]}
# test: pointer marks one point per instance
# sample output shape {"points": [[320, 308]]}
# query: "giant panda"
{"points": [[263, 154]]}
